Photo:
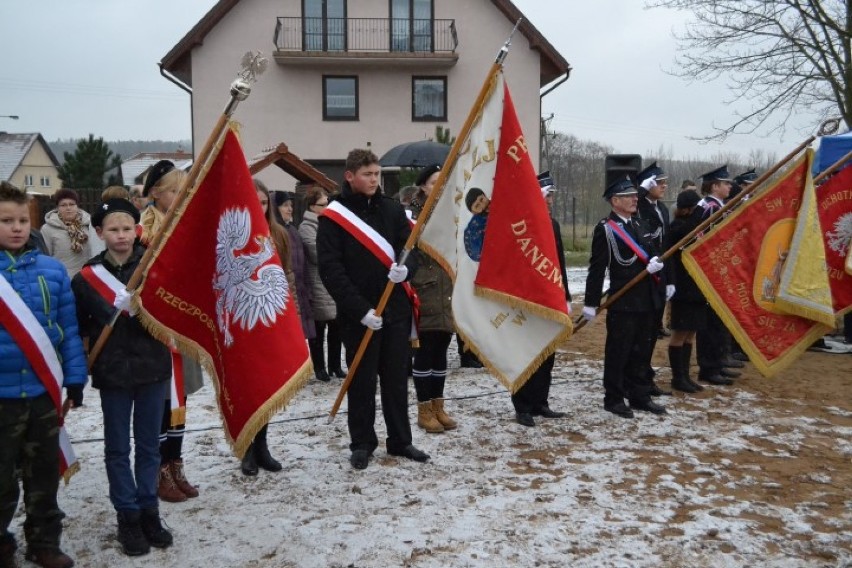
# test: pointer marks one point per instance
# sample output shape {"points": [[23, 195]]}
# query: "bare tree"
{"points": [[785, 57]]}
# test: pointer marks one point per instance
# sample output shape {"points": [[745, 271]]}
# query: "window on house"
{"points": [[429, 98], [324, 25], [45, 181], [28, 181], [411, 25], [340, 98]]}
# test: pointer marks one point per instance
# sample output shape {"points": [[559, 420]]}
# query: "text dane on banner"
{"points": [[834, 199], [491, 231], [217, 287], [738, 267]]}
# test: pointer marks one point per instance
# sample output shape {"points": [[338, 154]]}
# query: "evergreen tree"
{"points": [[87, 166]]}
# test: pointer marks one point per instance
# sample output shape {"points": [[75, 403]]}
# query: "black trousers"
{"points": [[430, 364], [29, 446], [711, 342], [334, 345], [627, 352], [385, 361], [532, 396]]}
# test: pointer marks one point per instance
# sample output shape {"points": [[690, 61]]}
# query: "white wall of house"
{"points": [[36, 172], [286, 103]]}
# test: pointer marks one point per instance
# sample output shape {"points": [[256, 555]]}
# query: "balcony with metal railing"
{"points": [[365, 41]]}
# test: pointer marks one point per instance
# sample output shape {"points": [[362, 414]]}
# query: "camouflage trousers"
{"points": [[29, 454]]}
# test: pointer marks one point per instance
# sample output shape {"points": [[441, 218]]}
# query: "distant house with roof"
{"points": [[26, 161], [135, 168], [346, 74]]}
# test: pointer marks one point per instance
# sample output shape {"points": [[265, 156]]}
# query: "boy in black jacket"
{"points": [[355, 277], [132, 373]]}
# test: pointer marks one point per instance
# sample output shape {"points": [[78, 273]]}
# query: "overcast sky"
{"points": [[72, 67]]}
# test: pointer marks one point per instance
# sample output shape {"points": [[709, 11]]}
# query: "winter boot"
{"points": [[153, 530], [7, 551], [679, 382], [180, 479], [168, 489], [447, 422], [261, 452], [249, 464], [426, 418], [130, 535], [686, 359]]}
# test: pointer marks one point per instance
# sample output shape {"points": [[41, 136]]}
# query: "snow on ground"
{"points": [[587, 490], [686, 490]]}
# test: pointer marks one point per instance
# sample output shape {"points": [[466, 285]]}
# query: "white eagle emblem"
{"points": [[839, 239], [247, 291]]}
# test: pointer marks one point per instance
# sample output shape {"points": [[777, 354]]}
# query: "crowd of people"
{"points": [[71, 278]]}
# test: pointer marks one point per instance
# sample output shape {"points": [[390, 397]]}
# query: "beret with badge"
{"points": [[114, 206]]}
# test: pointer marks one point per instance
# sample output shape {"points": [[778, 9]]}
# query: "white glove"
{"points": [[670, 291], [654, 265], [649, 183], [372, 321], [589, 313], [122, 302], [397, 273]]}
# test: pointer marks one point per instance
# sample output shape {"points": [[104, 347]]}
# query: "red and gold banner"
{"points": [[738, 267], [834, 200], [217, 287]]}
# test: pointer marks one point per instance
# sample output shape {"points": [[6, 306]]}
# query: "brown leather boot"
{"points": [[426, 418], [447, 422], [168, 489], [179, 476], [49, 558]]}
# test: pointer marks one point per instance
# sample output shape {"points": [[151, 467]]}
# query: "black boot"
{"points": [[679, 382], [153, 530], [261, 452], [686, 359], [249, 464], [130, 535]]}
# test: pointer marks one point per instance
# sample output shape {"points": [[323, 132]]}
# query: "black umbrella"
{"points": [[415, 154]]}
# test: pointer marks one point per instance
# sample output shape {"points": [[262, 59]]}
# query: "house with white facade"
{"points": [[27, 162], [349, 74]]}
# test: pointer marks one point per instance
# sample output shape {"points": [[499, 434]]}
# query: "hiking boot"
{"points": [[130, 535], [426, 418], [447, 422], [168, 489], [153, 530], [180, 479]]}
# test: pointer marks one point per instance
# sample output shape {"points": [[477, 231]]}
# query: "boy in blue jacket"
{"points": [[42, 329]]}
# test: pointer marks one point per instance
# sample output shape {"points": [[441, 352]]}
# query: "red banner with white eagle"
{"points": [[834, 198], [217, 287]]}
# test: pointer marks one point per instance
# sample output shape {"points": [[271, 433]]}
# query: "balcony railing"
{"points": [[378, 35]]}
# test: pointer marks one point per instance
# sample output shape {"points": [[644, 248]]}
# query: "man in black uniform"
{"points": [[356, 277], [712, 338], [619, 246], [653, 182], [531, 398]]}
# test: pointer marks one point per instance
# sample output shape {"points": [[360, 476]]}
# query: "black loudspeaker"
{"points": [[619, 165]]}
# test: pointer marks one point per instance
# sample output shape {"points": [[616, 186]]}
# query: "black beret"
{"points": [[687, 199], [114, 206], [158, 170], [282, 197], [426, 173]]}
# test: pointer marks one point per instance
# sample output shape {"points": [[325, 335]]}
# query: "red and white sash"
{"points": [[29, 335], [376, 244], [107, 286]]}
